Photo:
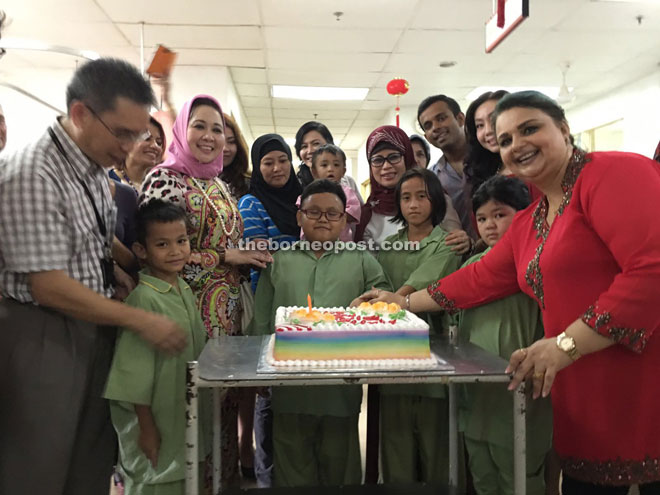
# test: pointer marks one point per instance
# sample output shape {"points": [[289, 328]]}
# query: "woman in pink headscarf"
{"points": [[189, 178]]}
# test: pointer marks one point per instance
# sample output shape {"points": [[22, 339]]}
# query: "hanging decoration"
{"points": [[500, 13], [397, 87]]}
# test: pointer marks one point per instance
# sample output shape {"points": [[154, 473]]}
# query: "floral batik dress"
{"points": [[214, 224]]}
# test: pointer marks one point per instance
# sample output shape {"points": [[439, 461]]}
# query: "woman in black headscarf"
{"points": [[269, 217], [269, 210]]}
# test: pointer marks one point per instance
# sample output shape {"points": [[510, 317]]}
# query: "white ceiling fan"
{"points": [[566, 95]]}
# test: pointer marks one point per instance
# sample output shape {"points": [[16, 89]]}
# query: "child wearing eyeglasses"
{"points": [[315, 429], [329, 162], [415, 417]]}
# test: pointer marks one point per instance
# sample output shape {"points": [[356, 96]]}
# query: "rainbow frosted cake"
{"points": [[372, 336]]}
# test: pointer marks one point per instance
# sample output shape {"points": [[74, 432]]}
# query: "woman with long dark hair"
{"points": [[236, 160], [483, 159]]}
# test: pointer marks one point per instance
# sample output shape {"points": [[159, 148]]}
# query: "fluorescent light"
{"points": [[551, 91], [318, 93]]}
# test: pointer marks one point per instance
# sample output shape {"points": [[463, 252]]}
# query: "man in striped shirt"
{"points": [[56, 318]]}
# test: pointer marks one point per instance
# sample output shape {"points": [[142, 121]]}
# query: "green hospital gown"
{"points": [[419, 268], [414, 417], [486, 411], [335, 279], [142, 375], [315, 434]]}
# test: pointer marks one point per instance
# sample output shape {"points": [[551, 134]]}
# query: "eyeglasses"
{"points": [[123, 136], [331, 216], [378, 161]]}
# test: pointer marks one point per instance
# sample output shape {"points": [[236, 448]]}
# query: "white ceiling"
{"points": [[300, 42]]}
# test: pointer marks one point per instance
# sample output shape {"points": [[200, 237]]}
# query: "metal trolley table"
{"points": [[232, 362]]}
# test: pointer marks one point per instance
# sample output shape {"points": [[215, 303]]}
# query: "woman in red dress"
{"points": [[588, 251]]}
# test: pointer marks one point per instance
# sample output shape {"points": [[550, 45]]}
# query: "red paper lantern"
{"points": [[398, 86]]}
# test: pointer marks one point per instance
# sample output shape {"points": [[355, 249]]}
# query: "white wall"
{"points": [[637, 103], [27, 119], [187, 82]]}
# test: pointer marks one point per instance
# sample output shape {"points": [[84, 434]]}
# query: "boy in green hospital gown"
{"points": [[414, 417], [147, 389], [315, 428], [501, 327]]}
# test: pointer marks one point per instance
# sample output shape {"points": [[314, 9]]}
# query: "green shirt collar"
{"points": [[309, 253], [438, 234], [156, 283]]}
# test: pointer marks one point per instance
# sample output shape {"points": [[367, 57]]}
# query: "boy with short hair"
{"points": [[315, 428], [147, 388], [501, 327]]}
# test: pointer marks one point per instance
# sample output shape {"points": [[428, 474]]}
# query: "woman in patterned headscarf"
{"points": [[390, 154]]}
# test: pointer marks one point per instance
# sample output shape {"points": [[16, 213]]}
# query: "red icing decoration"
{"points": [[344, 317], [291, 328]]}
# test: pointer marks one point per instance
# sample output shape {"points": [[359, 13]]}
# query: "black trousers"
{"points": [[570, 486], [56, 436]]}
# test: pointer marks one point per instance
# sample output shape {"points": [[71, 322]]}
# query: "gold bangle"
{"points": [[408, 302]]}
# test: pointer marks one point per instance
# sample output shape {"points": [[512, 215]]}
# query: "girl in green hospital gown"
{"points": [[414, 417]]}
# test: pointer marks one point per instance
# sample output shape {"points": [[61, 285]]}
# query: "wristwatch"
{"points": [[567, 344]]}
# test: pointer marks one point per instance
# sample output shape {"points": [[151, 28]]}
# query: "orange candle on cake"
{"points": [[309, 304]]}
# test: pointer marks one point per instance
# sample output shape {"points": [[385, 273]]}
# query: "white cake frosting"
{"points": [[409, 322]]}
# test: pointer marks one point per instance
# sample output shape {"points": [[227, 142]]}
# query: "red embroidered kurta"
{"points": [[599, 261]]}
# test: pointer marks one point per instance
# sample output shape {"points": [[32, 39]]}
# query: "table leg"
{"points": [[519, 441], [192, 428], [453, 436], [217, 446]]}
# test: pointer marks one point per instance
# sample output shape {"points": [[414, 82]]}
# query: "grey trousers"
{"points": [[56, 437], [263, 437]]}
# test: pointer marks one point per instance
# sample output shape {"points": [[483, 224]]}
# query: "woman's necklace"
{"points": [[227, 198], [126, 178]]}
